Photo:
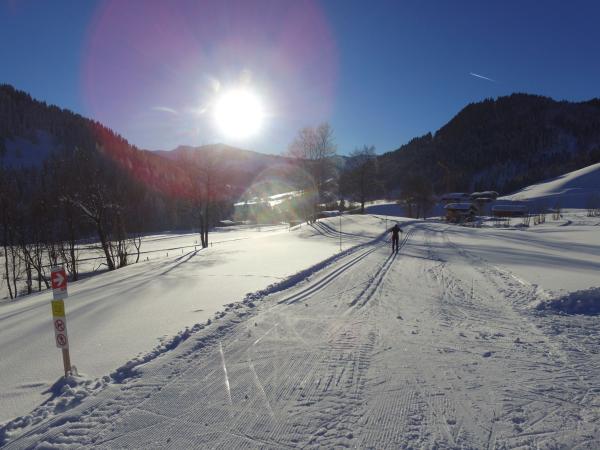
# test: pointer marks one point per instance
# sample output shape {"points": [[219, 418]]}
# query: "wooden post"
{"points": [[340, 230], [66, 361], [58, 277]]}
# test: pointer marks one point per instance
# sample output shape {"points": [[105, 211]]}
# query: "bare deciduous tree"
{"points": [[314, 148], [209, 190], [417, 195], [359, 179]]}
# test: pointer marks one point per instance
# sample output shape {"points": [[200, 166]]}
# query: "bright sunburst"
{"points": [[239, 113]]}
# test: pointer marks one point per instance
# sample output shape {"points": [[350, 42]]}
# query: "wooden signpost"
{"points": [[59, 316]]}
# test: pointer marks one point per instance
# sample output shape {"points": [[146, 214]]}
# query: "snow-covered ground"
{"points": [[571, 190], [114, 316], [444, 345]]}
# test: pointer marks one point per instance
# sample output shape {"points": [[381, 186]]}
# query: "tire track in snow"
{"points": [[523, 420], [327, 230], [317, 286], [375, 281], [351, 348], [177, 389], [335, 380]]}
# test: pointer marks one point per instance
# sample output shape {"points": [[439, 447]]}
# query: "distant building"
{"points": [[481, 203], [507, 211], [460, 212]]}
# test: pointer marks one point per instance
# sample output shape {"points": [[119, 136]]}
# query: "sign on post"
{"points": [[59, 283], [58, 277], [60, 324], [58, 308]]}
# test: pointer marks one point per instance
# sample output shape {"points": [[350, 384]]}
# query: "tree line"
{"points": [[98, 190], [93, 191], [85, 201]]}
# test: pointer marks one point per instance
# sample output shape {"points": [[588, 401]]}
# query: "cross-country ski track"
{"points": [[433, 347]]}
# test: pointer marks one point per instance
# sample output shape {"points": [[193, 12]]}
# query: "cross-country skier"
{"points": [[395, 230]]}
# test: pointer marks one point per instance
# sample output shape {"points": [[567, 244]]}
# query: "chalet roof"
{"points": [[487, 194], [457, 195]]}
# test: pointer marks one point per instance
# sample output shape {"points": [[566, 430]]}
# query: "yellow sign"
{"points": [[58, 308]]}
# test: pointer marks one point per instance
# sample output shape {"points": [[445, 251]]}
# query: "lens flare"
{"points": [[239, 114]]}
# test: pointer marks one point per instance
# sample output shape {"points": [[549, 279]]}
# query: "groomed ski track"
{"points": [[427, 348]]}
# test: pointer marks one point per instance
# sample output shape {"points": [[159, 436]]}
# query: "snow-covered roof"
{"points": [[332, 213], [272, 200], [455, 195], [285, 195], [248, 203], [485, 194]]}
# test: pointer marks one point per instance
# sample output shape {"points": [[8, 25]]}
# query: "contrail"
{"points": [[164, 109], [482, 77]]}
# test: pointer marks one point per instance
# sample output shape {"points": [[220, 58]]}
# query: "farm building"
{"points": [[460, 212], [481, 203], [507, 211]]}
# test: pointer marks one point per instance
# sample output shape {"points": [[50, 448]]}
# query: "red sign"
{"points": [[58, 277]]}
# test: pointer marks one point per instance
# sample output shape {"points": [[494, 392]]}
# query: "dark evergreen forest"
{"points": [[502, 145]]}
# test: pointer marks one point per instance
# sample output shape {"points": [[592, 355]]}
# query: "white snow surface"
{"points": [[442, 345], [571, 190], [114, 316]]}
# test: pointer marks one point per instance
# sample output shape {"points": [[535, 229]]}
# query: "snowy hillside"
{"points": [[464, 339], [571, 190]]}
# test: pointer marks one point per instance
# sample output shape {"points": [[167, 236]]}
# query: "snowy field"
{"points": [[114, 316], [462, 340]]}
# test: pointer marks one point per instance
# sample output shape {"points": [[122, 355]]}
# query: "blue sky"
{"points": [[380, 72]]}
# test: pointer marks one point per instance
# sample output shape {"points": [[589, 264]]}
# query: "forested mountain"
{"points": [[45, 148], [246, 171], [503, 144], [64, 177], [33, 133]]}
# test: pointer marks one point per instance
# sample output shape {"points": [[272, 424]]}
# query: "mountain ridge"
{"points": [[504, 144]]}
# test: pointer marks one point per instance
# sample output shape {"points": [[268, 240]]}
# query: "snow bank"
{"points": [[580, 302], [65, 394]]}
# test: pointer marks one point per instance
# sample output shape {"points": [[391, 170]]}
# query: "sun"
{"points": [[239, 113]]}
